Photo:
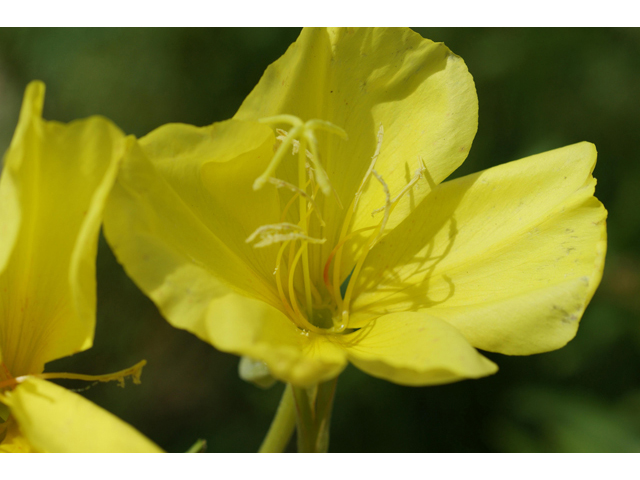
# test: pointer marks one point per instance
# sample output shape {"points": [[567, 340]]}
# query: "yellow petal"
{"points": [[54, 419], [54, 185], [415, 349], [212, 170], [249, 327], [359, 79], [509, 256], [177, 206]]}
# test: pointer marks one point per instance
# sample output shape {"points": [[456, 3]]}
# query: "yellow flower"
{"points": [[54, 185], [344, 245]]}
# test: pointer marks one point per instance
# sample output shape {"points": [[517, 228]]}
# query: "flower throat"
{"points": [[323, 306]]}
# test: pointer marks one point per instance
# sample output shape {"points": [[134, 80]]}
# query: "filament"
{"points": [[325, 275], [347, 221], [283, 298], [302, 320]]}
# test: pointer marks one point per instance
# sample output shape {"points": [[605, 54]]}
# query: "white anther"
{"points": [[282, 184], [416, 177], [280, 232], [387, 206], [282, 135], [371, 166]]}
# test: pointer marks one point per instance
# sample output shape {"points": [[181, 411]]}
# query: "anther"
{"points": [[417, 176], [374, 159], [387, 207], [281, 183], [277, 158], [280, 232]]}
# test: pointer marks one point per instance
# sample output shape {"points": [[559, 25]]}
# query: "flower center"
{"points": [[324, 306]]}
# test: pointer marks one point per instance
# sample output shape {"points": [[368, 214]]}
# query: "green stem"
{"points": [[282, 425], [313, 407], [199, 447], [306, 423], [324, 407]]}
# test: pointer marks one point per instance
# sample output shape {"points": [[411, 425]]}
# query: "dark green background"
{"points": [[538, 89]]}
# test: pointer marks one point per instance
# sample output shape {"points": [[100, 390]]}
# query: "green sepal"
{"points": [[256, 372]]}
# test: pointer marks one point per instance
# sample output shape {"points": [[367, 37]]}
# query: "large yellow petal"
{"points": [[54, 185], [359, 79], [172, 232], [415, 349], [509, 256], [54, 419], [212, 170], [178, 199]]}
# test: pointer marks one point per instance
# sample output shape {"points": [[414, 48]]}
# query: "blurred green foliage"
{"points": [[538, 89]]}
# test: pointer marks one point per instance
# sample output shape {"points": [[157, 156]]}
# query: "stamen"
{"points": [[283, 298], [282, 134], [316, 294], [310, 172], [270, 234], [134, 372], [276, 272], [374, 159], [288, 206], [281, 183], [347, 221], [417, 176], [302, 321], [387, 207], [325, 275], [321, 176], [277, 158], [292, 293]]}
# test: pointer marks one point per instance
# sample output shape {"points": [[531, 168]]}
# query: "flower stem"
{"points": [[314, 406], [282, 425]]}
